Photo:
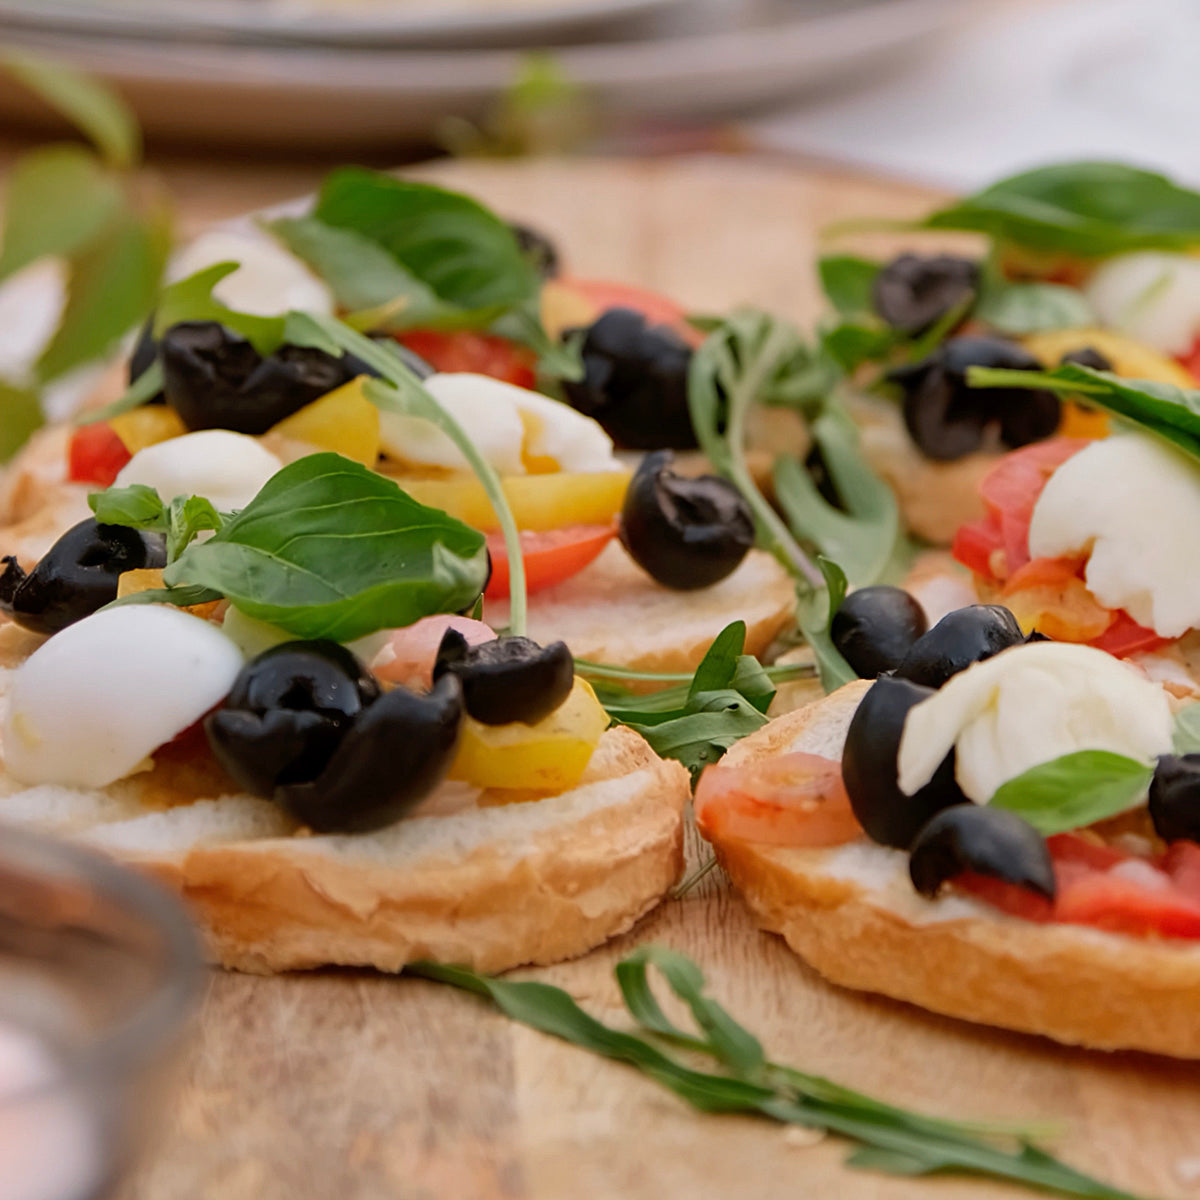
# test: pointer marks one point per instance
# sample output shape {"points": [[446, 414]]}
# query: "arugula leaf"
{"points": [[814, 614], [112, 286], [330, 549], [1170, 412], [848, 281], [192, 299], [143, 389], [137, 506], [20, 416], [1090, 209], [851, 343], [58, 199], [1187, 730], [1019, 308], [713, 722], [884, 1137], [99, 112], [1075, 790]]}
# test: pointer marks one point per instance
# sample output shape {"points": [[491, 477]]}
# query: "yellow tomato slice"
{"points": [[343, 421], [539, 502], [542, 759], [147, 426]]}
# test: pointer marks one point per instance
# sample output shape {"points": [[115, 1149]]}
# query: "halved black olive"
{"points": [[687, 533], [988, 841], [507, 679], [635, 382], [77, 576], [870, 772], [965, 636], [876, 627], [949, 420], [216, 380], [305, 724], [1088, 356], [912, 293], [1175, 798], [538, 248]]}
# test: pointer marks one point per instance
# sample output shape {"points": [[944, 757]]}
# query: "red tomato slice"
{"points": [[793, 800], [96, 455], [474, 353], [550, 555], [657, 309], [1125, 637], [1189, 360], [975, 545]]}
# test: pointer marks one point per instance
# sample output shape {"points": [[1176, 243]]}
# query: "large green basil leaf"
{"points": [[848, 282], [1085, 208], [329, 549], [1076, 790]]}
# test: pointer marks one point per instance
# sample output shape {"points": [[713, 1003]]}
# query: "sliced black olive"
{"points": [[912, 293], [507, 679], [305, 724], [949, 420], [538, 248], [635, 382], [77, 576], [870, 771], [1088, 356], [687, 533], [988, 841], [1175, 798], [965, 636], [394, 754], [876, 627], [216, 380]]}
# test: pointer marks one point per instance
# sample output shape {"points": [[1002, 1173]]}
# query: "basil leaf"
{"points": [[20, 417], [862, 536], [1186, 735], [1085, 208], [187, 517], [1076, 790], [181, 597], [815, 611], [847, 282], [883, 1136], [466, 257], [1019, 308], [329, 549], [137, 506], [112, 286], [192, 299], [99, 112], [58, 199]]}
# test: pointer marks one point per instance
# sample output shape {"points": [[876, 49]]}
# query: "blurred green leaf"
{"points": [[20, 416], [97, 111]]}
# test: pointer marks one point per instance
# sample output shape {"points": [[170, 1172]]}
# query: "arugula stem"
{"points": [[596, 670], [1001, 377], [691, 882]]}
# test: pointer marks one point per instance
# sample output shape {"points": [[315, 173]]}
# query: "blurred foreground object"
{"points": [[99, 973]]}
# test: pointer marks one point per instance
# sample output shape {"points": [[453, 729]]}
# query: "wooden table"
{"points": [[357, 1086]]}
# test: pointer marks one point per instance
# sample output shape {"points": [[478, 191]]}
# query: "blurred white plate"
{"points": [[343, 98], [397, 22]]}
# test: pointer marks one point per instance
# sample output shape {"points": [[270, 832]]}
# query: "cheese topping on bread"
{"points": [[1027, 706]]}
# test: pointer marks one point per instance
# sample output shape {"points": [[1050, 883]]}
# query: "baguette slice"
{"points": [[852, 913], [458, 881]]}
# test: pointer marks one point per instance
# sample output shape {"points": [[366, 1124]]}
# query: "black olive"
{"points": [[965, 636], [948, 419], [687, 533], [875, 627], [507, 679], [1087, 356], [77, 576], [870, 771], [988, 841], [305, 724], [635, 382], [216, 380], [913, 293], [1175, 798], [538, 248]]}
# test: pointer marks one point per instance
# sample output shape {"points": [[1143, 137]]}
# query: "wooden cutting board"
{"points": [[351, 1085]]}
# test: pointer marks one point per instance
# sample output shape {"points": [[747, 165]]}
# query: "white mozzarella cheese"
{"points": [[1151, 296]]}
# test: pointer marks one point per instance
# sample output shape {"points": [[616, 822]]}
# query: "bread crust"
{"points": [[861, 925]]}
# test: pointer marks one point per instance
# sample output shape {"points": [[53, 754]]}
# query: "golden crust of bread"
{"points": [[859, 925]]}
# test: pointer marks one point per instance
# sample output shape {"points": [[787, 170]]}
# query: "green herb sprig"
{"points": [[885, 1138]]}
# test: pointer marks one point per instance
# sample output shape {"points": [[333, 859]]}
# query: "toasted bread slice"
{"points": [[852, 913], [460, 880]]}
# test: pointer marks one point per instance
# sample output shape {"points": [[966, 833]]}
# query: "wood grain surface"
{"points": [[358, 1086]]}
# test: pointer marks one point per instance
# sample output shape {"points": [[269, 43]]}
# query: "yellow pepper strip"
{"points": [[563, 308], [533, 760], [1130, 359], [147, 426], [538, 502], [147, 579], [343, 421]]}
